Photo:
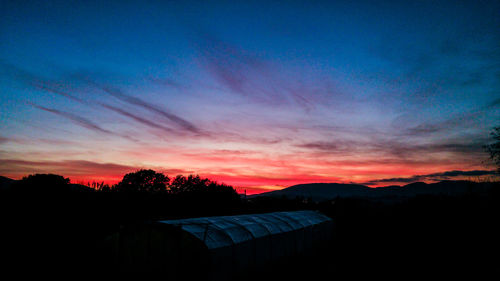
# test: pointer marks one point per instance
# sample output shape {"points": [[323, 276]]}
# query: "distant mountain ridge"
{"points": [[329, 191], [6, 183]]}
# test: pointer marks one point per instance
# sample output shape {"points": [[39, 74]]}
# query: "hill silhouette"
{"points": [[328, 191], [5, 182], [320, 191]]}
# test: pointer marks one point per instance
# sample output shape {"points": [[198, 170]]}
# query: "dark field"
{"points": [[52, 234]]}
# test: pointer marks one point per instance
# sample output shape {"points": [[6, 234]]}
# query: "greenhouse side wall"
{"points": [[262, 253]]}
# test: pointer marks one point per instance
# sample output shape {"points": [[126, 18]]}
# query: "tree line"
{"points": [[141, 181]]}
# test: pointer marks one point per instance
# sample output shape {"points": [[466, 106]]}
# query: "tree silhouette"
{"points": [[143, 181], [494, 148], [43, 183], [181, 184], [202, 188]]}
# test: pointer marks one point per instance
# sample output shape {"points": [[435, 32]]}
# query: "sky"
{"points": [[260, 95]]}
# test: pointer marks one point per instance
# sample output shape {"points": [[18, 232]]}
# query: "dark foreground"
{"points": [[65, 235]]}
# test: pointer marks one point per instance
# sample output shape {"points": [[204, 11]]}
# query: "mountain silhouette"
{"points": [[328, 191], [5, 183], [320, 191]]}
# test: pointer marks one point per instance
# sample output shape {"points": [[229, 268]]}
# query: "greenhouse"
{"points": [[220, 247]]}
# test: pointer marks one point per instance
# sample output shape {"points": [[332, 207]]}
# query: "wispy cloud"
{"points": [[75, 169], [171, 124], [37, 81], [408, 150], [86, 165], [495, 103], [180, 122], [434, 177], [257, 79], [326, 146], [396, 150], [168, 82], [139, 119], [76, 119], [462, 120], [58, 88], [37, 141]]}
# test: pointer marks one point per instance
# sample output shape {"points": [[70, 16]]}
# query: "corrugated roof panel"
{"points": [[238, 233], [293, 222], [216, 238], [270, 225], [254, 227]]}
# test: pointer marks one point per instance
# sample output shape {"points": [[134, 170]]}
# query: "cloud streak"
{"points": [[77, 170], [76, 119], [139, 119], [56, 89], [180, 122], [47, 85], [398, 149], [248, 75], [36, 81], [434, 177], [458, 121]]}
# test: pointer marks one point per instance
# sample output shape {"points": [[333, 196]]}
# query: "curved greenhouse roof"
{"points": [[219, 248], [224, 231]]}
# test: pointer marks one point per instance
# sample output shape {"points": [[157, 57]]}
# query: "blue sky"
{"points": [[254, 93]]}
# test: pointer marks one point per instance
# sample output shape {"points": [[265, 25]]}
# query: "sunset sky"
{"points": [[256, 94]]}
